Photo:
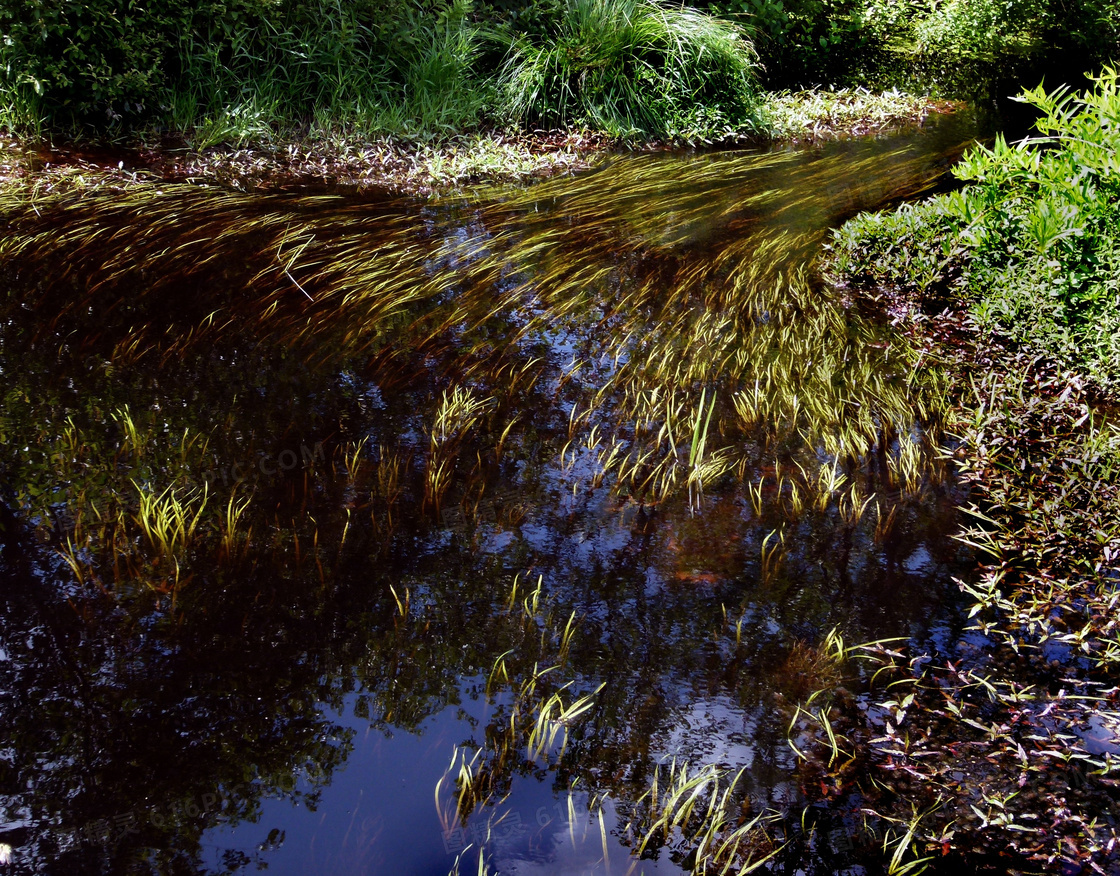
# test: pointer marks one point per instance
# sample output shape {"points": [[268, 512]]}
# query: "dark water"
{"points": [[310, 500]]}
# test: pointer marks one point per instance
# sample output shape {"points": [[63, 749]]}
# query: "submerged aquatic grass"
{"points": [[701, 810], [703, 352], [533, 714], [168, 519]]}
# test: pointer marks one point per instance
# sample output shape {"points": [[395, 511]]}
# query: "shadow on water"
{"points": [[351, 534]]}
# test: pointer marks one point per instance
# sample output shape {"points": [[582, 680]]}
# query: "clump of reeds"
{"points": [[458, 412]]}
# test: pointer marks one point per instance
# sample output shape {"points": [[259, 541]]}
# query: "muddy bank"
{"points": [[426, 169]]}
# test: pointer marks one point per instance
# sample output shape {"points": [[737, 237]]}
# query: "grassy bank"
{"points": [[414, 98], [247, 71], [1000, 746]]}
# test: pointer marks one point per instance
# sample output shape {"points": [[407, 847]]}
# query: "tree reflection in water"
{"points": [[277, 468]]}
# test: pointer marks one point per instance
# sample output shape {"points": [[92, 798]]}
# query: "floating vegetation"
{"points": [[815, 114]]}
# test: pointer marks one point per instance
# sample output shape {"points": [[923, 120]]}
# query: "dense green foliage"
{"points": [[964, 46], [242, 69], [239, 69], [1032, 241], [971, 44], [238, 65], [804, 41]]}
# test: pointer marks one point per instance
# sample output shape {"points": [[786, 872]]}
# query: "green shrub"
{"points": [[970, 46], [803, 42], [634, 66], [107, 59], [532, 18], [961, 47], [984, 29], [280, 67], [1033, 240]]}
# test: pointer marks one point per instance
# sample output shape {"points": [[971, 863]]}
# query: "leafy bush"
{"points": [[984, 29], [963, 47], [1032, 242], [967, 46], [81, 59], [532, 18], [630, 66], [803, 42]]}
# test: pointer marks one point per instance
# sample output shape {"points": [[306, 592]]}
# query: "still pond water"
{"points": [[343, 533]]}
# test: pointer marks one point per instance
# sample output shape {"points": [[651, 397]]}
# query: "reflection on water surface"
{"points": [[347, 534]]}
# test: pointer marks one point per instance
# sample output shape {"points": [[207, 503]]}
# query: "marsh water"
{"points": [[344, 533]]}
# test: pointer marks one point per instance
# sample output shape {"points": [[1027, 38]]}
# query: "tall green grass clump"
{"points": [[1032, 241], [634, 67]]}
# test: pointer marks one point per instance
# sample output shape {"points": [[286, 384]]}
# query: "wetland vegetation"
{"points": [[1025, 254], [366, 507]]}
